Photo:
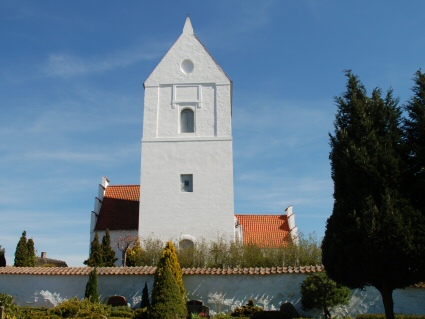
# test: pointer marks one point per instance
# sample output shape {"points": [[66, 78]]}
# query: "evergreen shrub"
{"points": [[31, 312], [121, 311], [91, 292], [169, 293]]}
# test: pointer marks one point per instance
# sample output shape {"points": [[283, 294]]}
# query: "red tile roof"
{"points": [[150, 270], [265, 230], [120, 208]]}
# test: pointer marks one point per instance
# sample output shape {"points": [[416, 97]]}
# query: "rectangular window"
{"points": [[186, 182]]}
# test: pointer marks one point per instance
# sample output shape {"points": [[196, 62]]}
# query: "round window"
{"points": [[187, 66]]}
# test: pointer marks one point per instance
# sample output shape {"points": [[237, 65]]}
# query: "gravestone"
{"points": [[116, 301], [197, 306]]}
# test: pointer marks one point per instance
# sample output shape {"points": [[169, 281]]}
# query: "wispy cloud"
{"points": [[63, 64]]}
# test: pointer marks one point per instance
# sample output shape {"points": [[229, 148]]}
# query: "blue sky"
{"points": [[71, 99]]}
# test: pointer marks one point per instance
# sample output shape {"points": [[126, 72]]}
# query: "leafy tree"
{"points": [[371, 237], [320, 292], [108, 254], [31, 257], [2, 257], [136, 255], [168, 294], [96, 258], [91, 292], [145, 297], [414, 129]]}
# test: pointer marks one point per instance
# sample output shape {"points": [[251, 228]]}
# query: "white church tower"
{"points": [[187, 149]]}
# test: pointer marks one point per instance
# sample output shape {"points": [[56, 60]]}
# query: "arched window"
{"points": [[186, 244], [187, 120]]}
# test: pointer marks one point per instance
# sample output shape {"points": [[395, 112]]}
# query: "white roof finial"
{"points": [[188, 29]]}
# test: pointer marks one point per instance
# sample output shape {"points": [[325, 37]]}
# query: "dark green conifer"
{"points": [[108, 254], [21, 253], [91, 292], [414, 129], [31, 257], [167, 302], [95, 259], [371, 236], [2, 257], [145, 297]]}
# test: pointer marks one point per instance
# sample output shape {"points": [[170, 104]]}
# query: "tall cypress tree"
{"points": [[31, 257], [95, 259], [108, 254], [21, 253], [91, 292], [371, 236], [2, 257], [145, 297]]}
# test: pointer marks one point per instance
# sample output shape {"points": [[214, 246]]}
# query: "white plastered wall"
{"points": [[219, 292], [165, 211]]}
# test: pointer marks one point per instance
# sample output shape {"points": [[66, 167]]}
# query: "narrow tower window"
{"points": [[187, 121], [186, 182]]}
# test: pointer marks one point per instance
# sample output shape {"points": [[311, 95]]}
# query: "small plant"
{"points": [[320, 292]]}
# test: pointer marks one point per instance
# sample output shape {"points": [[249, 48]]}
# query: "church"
{"points": [[186, 190]]}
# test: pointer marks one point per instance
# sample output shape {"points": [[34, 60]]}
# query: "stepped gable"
{"points": [[265, 230], [120, 208]]}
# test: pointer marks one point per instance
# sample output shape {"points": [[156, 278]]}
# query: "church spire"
{"points": [[188, 29]]}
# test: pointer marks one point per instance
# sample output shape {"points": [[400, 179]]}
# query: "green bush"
{"points": [[66, 309], [270, 315], [226, 316], [382, 316], [140, 313], [122, 311], [75, 308], [36, 313]]}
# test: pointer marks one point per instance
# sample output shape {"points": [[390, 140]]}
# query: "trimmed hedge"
{"points": [[270, 315], [382, 316]]}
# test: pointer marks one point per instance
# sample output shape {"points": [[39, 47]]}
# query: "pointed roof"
{"points": [[187, 47], [188, 28]]}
